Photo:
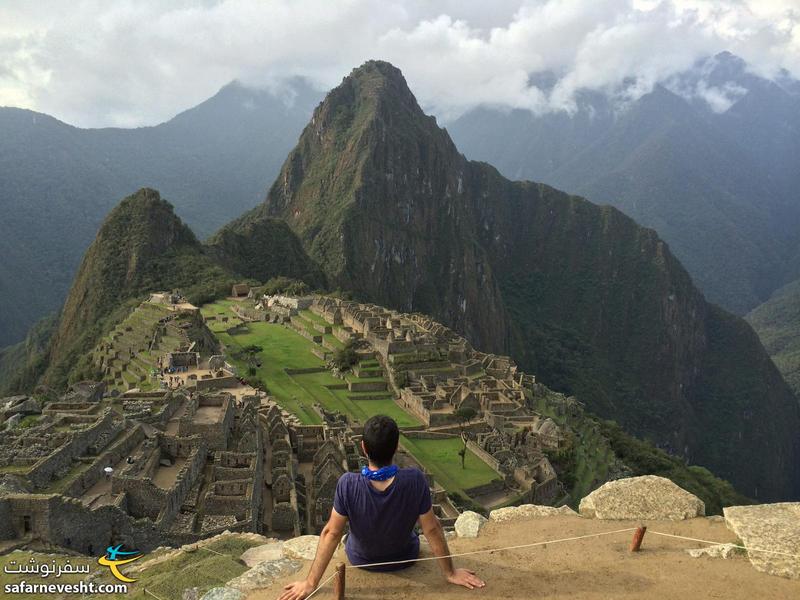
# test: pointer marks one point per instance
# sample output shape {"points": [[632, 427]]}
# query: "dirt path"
{"points": [[592, 569]]}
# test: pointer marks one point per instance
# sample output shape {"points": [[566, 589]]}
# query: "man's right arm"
{"points": [[434, 533], [328, 540]]}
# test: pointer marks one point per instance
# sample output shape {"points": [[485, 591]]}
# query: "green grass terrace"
{"points": [[284, 351], [440, 457]]}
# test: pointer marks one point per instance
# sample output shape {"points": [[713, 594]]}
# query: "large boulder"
{"points": [[258, 554], [21, 405], [303, 547], [528, 511], [13, 421], [774, 527], [647, 497], [264, 574], [469, 523]]}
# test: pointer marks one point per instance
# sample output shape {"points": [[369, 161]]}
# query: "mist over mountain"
{"points": [[594, 304], [58, 182], [708, 159]]}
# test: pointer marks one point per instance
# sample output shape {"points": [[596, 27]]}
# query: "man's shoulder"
{"points": [[413, 474], [348, 477]]}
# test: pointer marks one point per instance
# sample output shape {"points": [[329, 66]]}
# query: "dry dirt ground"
{"points": [[592, 568]]}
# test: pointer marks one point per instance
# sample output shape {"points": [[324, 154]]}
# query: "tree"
{"points": [[251, 355], [346, 357], [465, 414]]}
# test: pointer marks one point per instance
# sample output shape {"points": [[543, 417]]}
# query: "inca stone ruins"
{"points": [[183, 436]]}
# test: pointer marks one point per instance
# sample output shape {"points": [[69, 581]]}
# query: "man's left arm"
{"points": [[328, 540], [432, 528]]}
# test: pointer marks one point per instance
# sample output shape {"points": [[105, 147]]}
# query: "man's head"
{"points": [[380, 440]]}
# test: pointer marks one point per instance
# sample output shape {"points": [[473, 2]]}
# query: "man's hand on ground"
{"points": [[296, 590], [466, 578]]}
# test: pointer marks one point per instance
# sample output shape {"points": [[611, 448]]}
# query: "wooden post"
{"points": [[638, 536], [338, 582]]}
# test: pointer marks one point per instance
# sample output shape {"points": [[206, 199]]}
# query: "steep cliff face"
{"points": [[375, 192], [142, 246], [579, 294]]}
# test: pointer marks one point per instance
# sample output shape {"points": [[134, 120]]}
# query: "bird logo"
{"points": [[113, 559]]}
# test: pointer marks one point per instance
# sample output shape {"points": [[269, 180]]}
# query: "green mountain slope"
{"points": [[213, 162], [720, 186], [264, 250], [142, 246], [579, 294], [777, 323]]}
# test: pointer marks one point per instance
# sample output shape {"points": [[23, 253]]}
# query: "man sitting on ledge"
{"points": [[382, 504]]}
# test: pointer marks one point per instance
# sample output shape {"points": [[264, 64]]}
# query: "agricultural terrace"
{"points": [[441, 458], [125, 355], [283, 348]]}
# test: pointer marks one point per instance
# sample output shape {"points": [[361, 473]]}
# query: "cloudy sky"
{"points": [[138, 62]]}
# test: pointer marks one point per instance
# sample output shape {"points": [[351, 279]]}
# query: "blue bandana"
{"points": [[381, 474]]}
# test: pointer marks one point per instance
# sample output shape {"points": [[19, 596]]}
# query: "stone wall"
{"points": [[493, 487], [69, 523], [7, 531], [178, 447], [49, 468], [167, 410], [412, 403], [367, 386], [429, 435], [215, 434], [484, 456], [216, 383], [117, 452], [307, 371], [184, 481]]}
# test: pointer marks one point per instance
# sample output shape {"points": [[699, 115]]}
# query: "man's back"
{"points": [[382, 522]]}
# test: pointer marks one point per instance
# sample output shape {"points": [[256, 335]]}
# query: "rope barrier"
{"points": [[490, 550], [146, 591], [691, 539], [544, 543]]}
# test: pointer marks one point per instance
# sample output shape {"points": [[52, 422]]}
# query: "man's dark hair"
{"points": [[380, 439]]}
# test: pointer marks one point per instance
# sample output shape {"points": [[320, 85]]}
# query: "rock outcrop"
{"points": [[258, 554], [264, 573], [303, 547], [528, 511], [469, 524], [646, 497], [773, 527], [223, 593]]}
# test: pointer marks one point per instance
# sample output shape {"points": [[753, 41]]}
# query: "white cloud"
{"points": [[133, 62]]}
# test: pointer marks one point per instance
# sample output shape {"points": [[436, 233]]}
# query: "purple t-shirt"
{"points": [[382, 523]]}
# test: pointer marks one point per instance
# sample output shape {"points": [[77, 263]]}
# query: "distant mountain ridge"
{"points": [[719, 187], [213, 161], [708, 159], [597, 306]]}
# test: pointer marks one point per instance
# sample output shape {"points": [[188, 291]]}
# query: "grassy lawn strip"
{"points": [[313, 317], [440, 457], [283, 348]]}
